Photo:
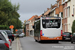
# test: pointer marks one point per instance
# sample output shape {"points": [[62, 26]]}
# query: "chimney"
{"points": [[47, 8]]}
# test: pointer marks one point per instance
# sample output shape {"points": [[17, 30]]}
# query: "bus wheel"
{"points": [[40, 41], [35, 40], [57, 41], [71, 41]]}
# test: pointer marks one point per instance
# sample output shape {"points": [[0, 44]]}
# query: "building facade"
{"points": [[29, 26], [68, 14], [63, 8]]}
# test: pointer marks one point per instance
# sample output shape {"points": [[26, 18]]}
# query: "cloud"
{"points": [[26, 16], [30, 7], [33, 6]]}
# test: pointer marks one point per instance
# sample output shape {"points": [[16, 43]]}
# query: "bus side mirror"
{"points": [[33, 27]]}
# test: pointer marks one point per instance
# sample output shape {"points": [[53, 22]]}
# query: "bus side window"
{"points": [[35, 26]]}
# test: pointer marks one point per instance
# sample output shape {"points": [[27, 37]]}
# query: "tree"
{"points": [[24, 23], [4, 27], [73, 27], [9, 15], [24, 27], [3, 18]]}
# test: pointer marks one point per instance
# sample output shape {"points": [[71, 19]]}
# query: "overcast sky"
{"points": [[28, 8]]}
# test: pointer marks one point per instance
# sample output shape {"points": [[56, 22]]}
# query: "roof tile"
{"points": [[31, 18]]}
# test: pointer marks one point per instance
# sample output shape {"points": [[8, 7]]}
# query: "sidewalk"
{"points": [[16, 44]]}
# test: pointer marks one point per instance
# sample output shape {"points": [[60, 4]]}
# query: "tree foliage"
{"points": [[24, 26], [73, 27], [4, 27], [24, 23], [9, 15]]}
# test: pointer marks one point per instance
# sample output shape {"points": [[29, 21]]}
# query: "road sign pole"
{"points": [[11, 27], [12, 30]]}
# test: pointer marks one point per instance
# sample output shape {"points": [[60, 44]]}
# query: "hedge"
{"points": [[4, 27]]}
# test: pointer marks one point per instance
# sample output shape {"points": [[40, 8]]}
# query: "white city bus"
{"points": [[48, 28]]}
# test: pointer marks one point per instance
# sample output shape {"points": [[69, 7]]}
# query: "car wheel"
{"points": [[40, 41], [63, 38], [35, 40], [71, 41], [57, 41], [12, 39]]}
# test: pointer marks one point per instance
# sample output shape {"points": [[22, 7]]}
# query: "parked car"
{"points": [[67, 35], [15, 35], [10, 35], [5, 43], [21, 35], [73, 38]]}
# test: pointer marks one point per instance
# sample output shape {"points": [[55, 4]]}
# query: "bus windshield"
{"points": [[51, 23]]}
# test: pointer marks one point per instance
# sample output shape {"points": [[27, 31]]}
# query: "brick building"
{"points": [[29, 26]]}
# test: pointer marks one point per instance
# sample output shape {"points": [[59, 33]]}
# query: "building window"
{"points": [[65, 12], [57, 15], [63, 0], [58, 4], [65, 28], [68, 11], [62, 15], [31, 26], [73, 9], [26, 27]]}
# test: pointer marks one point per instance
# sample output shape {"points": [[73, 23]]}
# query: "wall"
{"points": [[64, 20], [71, 4], [27, 29]]}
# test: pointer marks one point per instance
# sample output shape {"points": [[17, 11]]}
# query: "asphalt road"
{"points": [[28, 43]]}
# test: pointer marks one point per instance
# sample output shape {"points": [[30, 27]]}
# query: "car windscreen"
{"points": [[73, 34], [66, 33], [2, 37], [19, 31], [51, 23], [9, 32]]}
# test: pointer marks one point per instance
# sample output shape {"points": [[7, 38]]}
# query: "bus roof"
{"points": [[50, 17]]}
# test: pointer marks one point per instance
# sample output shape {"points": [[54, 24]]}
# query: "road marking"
{"points": [[18, 44]]}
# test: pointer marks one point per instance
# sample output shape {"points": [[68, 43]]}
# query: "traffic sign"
{"points": [[11, 26], [16, 30]]}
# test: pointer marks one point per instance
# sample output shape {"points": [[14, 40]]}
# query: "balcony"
{"points": [[64, 1]]}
